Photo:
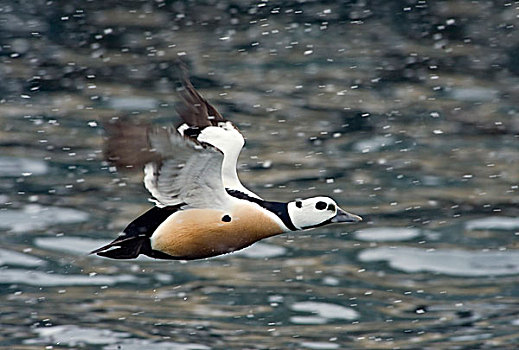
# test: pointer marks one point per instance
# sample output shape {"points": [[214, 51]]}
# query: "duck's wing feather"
{"points": [[188, 172], [126, 144], [195, 110], [203, 123]]}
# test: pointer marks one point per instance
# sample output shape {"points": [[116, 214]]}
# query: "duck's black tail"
{"points": [[135, 239], [125, 247]]}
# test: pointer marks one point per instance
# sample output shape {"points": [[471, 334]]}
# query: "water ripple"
{"points": [[36, 217], [455, 262], [8, 257], [43, 279], [72, 335], [493, 223], [387, 234], [323, 312], [10, 166]]}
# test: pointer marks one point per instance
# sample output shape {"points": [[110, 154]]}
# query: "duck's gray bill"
{"points": [[343, 216]]}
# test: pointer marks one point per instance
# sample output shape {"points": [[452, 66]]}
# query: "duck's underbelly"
{"points": [[201, 233]]}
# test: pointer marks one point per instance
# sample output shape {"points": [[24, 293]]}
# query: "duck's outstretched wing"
{"points": [[187, 171], [203, 123], [130, 145], [177, 169]]}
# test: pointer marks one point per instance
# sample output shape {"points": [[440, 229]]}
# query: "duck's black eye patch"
{"points": [[299, 204], [320, 205], [226, 218], [331, 207]]}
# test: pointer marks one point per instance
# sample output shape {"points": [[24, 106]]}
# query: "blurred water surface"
{"points": [[405, 112]]}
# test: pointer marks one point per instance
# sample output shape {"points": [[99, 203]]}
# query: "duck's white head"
{"points": [[317, 211]]}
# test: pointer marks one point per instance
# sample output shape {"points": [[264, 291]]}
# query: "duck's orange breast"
{"points": [[202, 233]]}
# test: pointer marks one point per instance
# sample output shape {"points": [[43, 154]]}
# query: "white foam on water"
{"points": [[455, 262]]}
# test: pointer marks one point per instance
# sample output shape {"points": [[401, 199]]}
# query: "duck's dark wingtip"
{"points": [[123, 248], [99, 250], [119, 253]]}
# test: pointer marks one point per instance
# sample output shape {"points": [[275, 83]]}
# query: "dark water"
{"points": [[406, 112]]}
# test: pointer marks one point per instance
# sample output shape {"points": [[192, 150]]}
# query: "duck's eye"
{"points": [[331, 207], [226, 218], [299, 204], [320, 205]]}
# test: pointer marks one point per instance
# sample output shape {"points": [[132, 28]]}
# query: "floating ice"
{"points": [[8, 257], [453, 262], [11, 166], [308, 320], [324, 311], [72, 335], [319, 345], [139, 344], [261, 251], [36, 217], [39, 278], [493, 223], [382, 234], [76, 245]]}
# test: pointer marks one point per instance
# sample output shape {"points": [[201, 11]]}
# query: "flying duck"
{"points": [[201, 207]]}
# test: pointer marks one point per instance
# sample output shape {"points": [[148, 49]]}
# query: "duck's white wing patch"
{"points": [[187, 173], [183, 127]]}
